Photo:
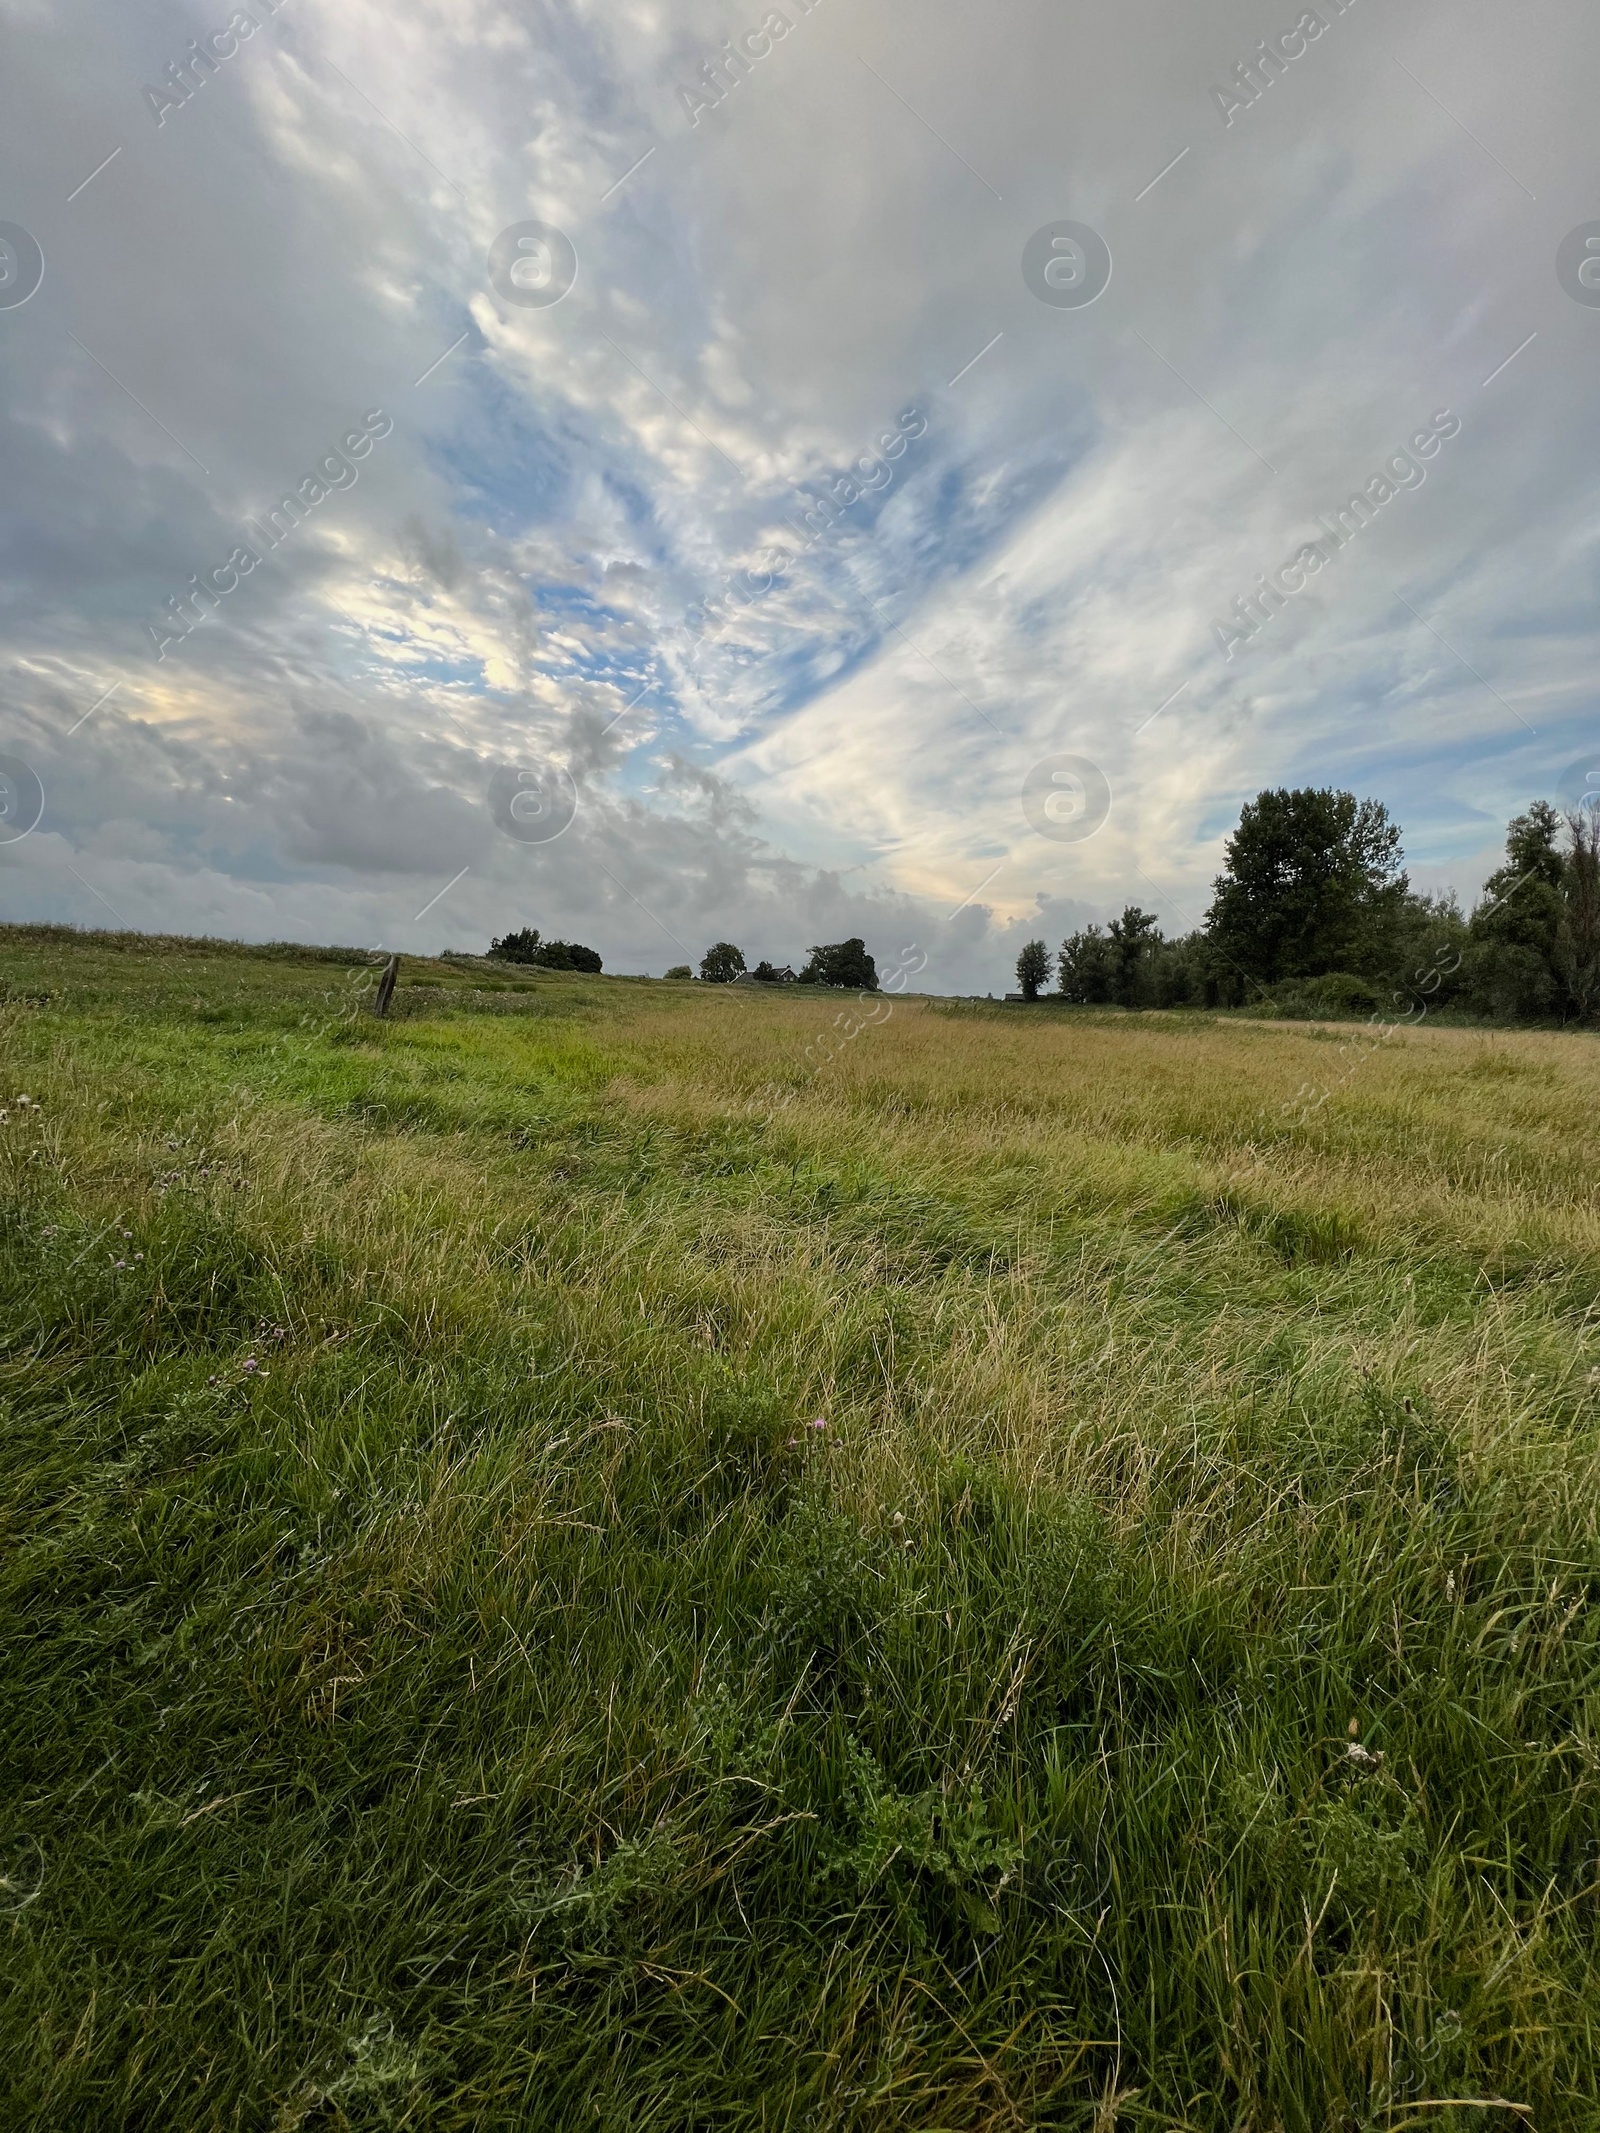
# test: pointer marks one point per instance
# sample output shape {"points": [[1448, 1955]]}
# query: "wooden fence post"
{"points": [[385, 993]]}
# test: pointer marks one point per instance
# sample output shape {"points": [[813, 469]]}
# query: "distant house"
{"points": [[766, 974]]}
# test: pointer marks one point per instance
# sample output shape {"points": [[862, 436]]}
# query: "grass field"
{"points": [[566, 1563]]}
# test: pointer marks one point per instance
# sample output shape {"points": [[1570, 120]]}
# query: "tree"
{"points": [[680, 970], [722, 963], [1133, 939], [1581, 948], [1182, 973], [1430, 947], [1097, 969], [1313, 884], [843, 963], [1085, 968], [1033, 969], [1517, 945]]}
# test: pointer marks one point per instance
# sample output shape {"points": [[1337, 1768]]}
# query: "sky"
{"points": [[775, 474]]}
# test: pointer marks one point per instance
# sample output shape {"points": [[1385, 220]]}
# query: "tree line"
{"points": [[1313, 914], [526, 947], [843, 964]]}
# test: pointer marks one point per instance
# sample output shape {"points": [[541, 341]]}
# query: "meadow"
{"points": [[566, 1561]]}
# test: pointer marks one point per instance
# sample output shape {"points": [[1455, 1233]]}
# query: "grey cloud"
{"points": [[513, 565]]}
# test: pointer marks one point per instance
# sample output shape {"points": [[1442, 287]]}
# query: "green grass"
{"points": [[449, 1682]]}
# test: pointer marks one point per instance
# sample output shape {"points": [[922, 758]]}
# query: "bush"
{"points": [[1333, 997], [526, 947], [680, 970], [1341, 994], [568, 955], [520, 947]]}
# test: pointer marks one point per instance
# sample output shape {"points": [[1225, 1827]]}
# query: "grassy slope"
{"points": [[448, 1682]]}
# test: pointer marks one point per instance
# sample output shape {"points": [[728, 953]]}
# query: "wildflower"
{"points": [[898, 1519], [819, 1423], [1364, 1758]]}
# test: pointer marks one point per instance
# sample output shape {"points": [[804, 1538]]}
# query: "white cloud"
{"points": [[755, 304]]}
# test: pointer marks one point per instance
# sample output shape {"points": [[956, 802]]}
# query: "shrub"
{"points": [[520, 947], [526, 947], [1332, 997]]}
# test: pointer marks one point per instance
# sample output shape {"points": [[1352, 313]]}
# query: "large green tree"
{"points": [[1524, 960], [1134, 937], [1033, 969], [1086, 968], [1313, 884], [722, 963], [842, 963]]}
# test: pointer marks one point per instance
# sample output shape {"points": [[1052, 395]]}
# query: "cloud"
{"points": [[760, 298]]}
